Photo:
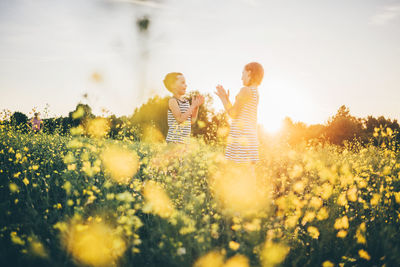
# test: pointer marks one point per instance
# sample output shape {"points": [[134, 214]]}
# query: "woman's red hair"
{"points": [[256, 72]]}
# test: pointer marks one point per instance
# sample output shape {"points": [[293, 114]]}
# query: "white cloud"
{"points": [[386, 15]]}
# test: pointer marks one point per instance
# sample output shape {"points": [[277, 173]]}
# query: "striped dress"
{"points": [[179, 133], [243, 139]]}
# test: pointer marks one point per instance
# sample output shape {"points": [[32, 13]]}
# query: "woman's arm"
{"points": [[180, 117], [241, 98]]}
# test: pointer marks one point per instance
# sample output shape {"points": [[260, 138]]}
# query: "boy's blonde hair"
{"points": [[170, 79]]}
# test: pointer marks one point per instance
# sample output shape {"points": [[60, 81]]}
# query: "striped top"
{"points": [[243, 139], [179, 133]]}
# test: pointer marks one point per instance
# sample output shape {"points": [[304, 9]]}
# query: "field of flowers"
{"points": [[79, 201]]}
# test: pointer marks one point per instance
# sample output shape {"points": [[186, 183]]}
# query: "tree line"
{"points": [[149, 123]]}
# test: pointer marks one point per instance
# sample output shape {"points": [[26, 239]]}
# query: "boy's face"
{"points": [[180, 85]]}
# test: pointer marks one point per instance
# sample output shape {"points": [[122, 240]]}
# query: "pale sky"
{"points": [[317, 54]]}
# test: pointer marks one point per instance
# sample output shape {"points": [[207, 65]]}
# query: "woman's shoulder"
{"points": [[245, 92]]}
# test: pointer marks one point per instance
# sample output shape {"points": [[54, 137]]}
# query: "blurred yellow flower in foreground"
{"points": [[36, 247], [327, 264], [98, 127], [92, 243], [216, 259], [273, 254], [120, 163], [239, 191], [156, 200], [152, 134], [211, 259], [237, 261]]}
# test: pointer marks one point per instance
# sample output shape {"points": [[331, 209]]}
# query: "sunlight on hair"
{"points": [[120, 163], [92, 242], [98, 127], [156, 200], [239, 191]]}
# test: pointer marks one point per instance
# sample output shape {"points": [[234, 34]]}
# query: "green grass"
{"points": [[48, 182]]}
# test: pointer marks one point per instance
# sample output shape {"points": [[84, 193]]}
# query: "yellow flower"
{"points": [[120, 163], [397, 196], [326, 190], [341, 223], [16, 239], [26, 181], [342, 200], [92, 243], [71, 167], [237, 261], [323, 214], [273, 253], [234, 245], [363, 254], [316, 202], [328, 264], [13, 188], [156, 200], [308, 217], [342, 234], [36, 247], [352, 194], [375, 199], [211, 259], [98, 127], [313, 231]]}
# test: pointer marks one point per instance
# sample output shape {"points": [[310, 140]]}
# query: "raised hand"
{"points": [[222, 93], [198, 100]]}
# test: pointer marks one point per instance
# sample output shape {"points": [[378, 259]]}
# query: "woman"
{"points": [[243, 139]]}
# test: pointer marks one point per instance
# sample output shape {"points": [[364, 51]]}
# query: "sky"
{"points": [[317, 54]]}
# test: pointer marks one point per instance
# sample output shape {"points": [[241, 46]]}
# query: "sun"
{"points": [[278, 100], [270, 123]]}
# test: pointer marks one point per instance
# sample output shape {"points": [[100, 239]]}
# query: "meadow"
{"points": [[90, 201]]}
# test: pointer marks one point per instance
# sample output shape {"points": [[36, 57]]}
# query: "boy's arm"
{"points": [[180, 117], [195, 114]]}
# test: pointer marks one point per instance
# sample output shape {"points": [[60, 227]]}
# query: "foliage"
{"points": [[73, 201]]}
